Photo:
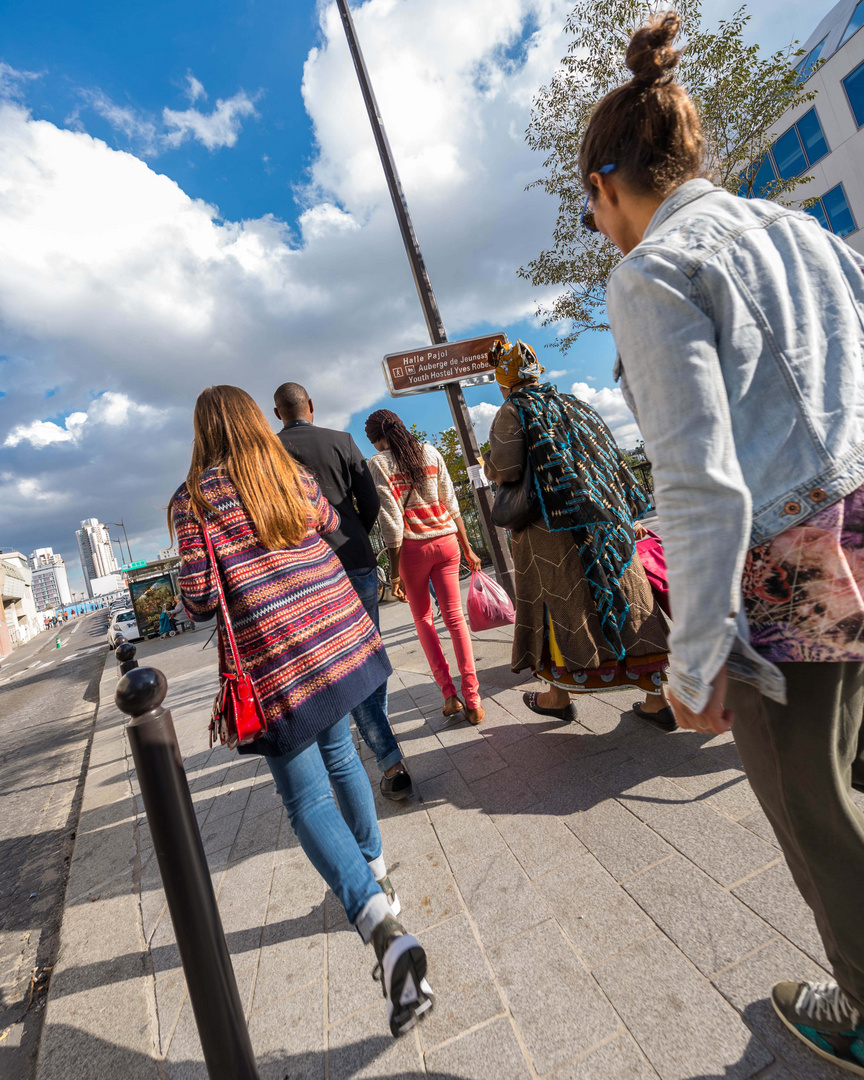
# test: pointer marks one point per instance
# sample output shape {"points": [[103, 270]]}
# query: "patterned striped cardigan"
{"points": [[301, 630]]}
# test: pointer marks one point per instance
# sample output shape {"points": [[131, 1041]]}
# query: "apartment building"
{"points": [[824, 138]]}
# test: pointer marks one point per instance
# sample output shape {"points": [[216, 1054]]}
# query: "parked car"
{"points": [[125, 624]]}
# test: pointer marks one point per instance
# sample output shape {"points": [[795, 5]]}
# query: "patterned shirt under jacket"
{"points": [[301, 630]]}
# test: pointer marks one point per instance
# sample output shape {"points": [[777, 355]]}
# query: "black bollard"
{"points": [[124, 651], [185, 875]]}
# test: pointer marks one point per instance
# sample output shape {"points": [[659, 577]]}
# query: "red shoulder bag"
{"points": [[238, 716]]}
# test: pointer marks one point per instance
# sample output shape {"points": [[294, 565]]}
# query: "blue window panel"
{"points": [[811, 60], [854, 84], [817, 210], [855, 23], [838, 211], [765, 174], [810, 131], [788, 155]]}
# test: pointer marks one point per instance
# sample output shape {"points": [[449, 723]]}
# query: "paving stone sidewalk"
{"points": [[598, 901]]}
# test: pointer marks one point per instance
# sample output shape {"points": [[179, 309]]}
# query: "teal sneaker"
{"points": [[824, 1018]]}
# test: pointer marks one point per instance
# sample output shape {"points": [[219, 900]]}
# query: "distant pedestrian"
{"points": [[311, 651], [423, 530], [586, 618], [335, 461], [739, 325]]}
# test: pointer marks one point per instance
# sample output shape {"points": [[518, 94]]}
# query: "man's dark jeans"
{"points": [[370, 715]]}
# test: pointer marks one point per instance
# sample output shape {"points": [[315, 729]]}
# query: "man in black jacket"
{"points": [[335, 461]]}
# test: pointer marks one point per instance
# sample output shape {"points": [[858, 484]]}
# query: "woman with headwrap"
{"points": [[420, 522], [586, 619]]}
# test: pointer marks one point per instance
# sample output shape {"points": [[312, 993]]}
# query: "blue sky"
{"points": [[194, 197]]}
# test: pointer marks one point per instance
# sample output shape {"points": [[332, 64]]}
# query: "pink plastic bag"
{"points": [[488, 605], [653, 558]]}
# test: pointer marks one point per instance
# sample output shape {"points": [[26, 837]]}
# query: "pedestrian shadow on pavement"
{"points": [[69, 1052], [74, 980]]}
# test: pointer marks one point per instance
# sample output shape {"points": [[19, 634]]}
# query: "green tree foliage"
{"points": [[740, 96]]}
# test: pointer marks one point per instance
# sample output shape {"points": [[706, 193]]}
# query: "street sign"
{"points": [[432, 366], [134, 565]]}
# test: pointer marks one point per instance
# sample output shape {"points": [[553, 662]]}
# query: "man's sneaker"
{"points": [[402, 970], [396, 787], [822, 1016], [390, 893]]}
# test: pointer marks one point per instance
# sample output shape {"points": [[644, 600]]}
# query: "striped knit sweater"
{"points": [[302, 633], [414, 511]]}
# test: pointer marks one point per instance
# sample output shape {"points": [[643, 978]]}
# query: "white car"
{"points": [[123, 623]]}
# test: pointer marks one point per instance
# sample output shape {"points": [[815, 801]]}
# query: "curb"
{"points": [[101, 1013]]}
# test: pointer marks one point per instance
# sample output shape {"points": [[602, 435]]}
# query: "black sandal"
{"points": [[665, 719], [567, 713]]}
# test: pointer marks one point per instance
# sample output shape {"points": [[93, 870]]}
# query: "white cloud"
{"points": [[482, 416], [110, 408], [219, 128], [12, 81], [123, 118], [194, 89], [557, 373], [609, 402], [113, 277], [215, 129]]}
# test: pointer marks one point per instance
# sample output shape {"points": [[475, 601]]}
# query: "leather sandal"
{"points": [[475, 716], [664, 719], [452, 706], [567, 713]]}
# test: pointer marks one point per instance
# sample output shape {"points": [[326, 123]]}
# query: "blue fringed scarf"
{"points": [[585, 487]]}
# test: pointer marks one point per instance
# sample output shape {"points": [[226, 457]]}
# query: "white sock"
{"points": [[374, 911], [378, 867]]}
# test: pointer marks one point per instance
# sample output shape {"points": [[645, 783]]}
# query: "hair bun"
{"points": [[650, 55]]}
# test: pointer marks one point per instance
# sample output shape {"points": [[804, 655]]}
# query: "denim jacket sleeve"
{"points": [[671, 376]]}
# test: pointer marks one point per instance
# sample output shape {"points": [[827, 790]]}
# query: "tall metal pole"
{"points": [[495, 537]]}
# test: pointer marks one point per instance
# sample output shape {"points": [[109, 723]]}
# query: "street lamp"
{"points": [[119, 525]]}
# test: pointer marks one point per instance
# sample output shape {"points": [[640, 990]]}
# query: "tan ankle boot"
{"points": [[452, 705], [475, 716]]}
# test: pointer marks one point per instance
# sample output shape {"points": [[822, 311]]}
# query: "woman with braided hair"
{"points": [[421, 521]]}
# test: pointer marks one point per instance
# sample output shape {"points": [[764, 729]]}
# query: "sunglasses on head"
{"points": [[587, 213]]}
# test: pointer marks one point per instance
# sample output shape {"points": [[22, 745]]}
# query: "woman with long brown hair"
{"points": [[421, 521], [739, 325], [311, 651]]}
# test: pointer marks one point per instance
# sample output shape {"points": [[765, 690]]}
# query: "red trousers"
{"points": [[438, 560]]}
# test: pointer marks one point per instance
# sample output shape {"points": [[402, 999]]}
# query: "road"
{"points": [[48, 699]]}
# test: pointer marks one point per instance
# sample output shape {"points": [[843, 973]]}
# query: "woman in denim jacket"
{"points": [[740, 333]]}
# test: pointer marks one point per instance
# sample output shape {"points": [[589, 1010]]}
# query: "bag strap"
{"points": [[223, 603]]}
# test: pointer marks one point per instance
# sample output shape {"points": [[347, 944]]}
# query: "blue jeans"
{"points": [[370, 715], [339, 845]]}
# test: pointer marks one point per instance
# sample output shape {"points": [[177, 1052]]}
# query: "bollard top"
{"points": [[140, 690], [125, 651]]}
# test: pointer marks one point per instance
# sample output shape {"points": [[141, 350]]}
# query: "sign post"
{"points": [[495, 537]]}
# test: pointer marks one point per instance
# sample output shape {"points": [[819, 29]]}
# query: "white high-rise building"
{"points": [[50, 584], [94, 547]]}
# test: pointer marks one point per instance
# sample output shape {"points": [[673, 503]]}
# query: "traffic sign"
{"points": [[432, 366], [134, 565]]}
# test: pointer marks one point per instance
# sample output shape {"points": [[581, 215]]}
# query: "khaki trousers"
{"points": [[803, 760]]}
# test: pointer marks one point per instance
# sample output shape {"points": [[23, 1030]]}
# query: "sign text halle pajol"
{"points": [[433, 366]]}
